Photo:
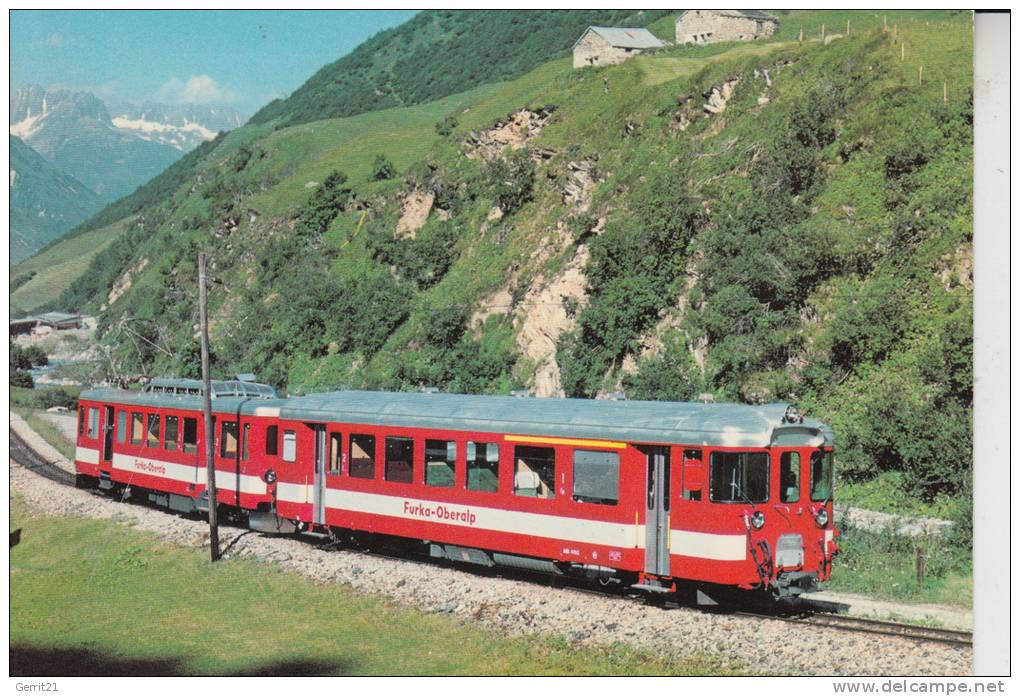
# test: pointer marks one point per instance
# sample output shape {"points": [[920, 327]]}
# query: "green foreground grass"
{"points": [[95, 597]]}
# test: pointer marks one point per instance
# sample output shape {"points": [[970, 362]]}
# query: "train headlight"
{"points": [[758, 519], [822, 518], [269, 476]]}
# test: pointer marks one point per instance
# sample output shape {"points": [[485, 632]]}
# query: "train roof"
{"points": [[666, 422]]}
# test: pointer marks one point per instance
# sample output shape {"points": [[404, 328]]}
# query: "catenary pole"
{"points": [[210, 446]]}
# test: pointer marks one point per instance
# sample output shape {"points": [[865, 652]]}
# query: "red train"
{"points": [[664, 496]]}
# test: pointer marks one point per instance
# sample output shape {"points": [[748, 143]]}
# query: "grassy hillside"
{"points": [[679, 224], [39, 280], [438, 53]]}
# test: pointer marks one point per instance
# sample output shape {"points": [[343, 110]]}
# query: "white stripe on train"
{"points": [[718, 547]]}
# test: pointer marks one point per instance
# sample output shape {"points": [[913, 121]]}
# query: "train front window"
{"points": [[822, 475], [440, 460], [789, 477], [739, 477], [534, 471]]}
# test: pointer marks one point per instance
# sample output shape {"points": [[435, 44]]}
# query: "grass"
{"points": [[57, 266], [118, 608], [48, 431], [883, 565], [888, 492]]}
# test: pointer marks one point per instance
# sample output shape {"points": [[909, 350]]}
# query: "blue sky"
{"points": [[241, 59]]}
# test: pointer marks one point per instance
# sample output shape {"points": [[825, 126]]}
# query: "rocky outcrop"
{"points": [[416, 208], [513, 132]]}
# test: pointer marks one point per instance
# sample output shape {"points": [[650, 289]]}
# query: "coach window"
{"points": [[81, 420], [245, 432], [739, 477], [272, 440], [440, 460], [290, 446], [93, 422], [534, 471], [137, 428], [789, 477], [483, 466], [399, 460], [228, 439], [152, 431], [362, 457], [190, 435], [170, 433], [596, 477], [336, 454], [821, 476]]}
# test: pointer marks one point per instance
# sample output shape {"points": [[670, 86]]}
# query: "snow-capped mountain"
{"points": [[111, 155], [182, 126]]}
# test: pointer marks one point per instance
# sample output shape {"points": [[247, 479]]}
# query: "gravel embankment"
{"points": [[520, 607]]}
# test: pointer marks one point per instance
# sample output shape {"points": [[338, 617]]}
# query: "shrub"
{"points": [[382, 168], [446, 126], [512, 180], [20, 378]]}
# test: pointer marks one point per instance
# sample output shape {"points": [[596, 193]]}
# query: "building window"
{"points": [[170, 433], [152, 431], [336, 454], [228, 439], [440, 462], [483, 466], [289, 446], [272, 440], [739, 477], [596, 477], [399, 460], [122, 427], [362, 456], [789, 477], [190, 439], [534, 471], [245, 432], [93, 423]]}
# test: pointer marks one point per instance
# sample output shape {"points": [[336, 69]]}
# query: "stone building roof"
{"points": [[625, 37], [744, 14]]}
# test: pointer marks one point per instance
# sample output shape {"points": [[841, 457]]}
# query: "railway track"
{"points": [[23, 454], [29, 458]]}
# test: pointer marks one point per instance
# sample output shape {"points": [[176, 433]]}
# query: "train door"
{"points": [[319, 485], [657, 513], [107, 434]]}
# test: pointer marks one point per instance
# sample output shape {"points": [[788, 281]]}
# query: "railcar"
{"points": [[661, 496]]}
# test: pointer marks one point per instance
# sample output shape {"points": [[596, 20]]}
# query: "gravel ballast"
{"points": [[519, 607]]}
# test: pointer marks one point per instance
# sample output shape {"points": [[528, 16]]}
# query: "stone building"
{"points": [[713, 26], [612, 45]]}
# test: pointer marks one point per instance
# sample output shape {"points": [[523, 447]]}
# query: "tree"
{"points": [[382, 168]]}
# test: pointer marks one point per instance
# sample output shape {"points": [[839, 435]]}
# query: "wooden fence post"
{"points": [[945, 93], [801, 39], [903, 52], [848, 28], [920, 75], [823, 32], [920, 567]]}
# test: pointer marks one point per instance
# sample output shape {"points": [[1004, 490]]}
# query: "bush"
{"points": [[446, 126], [36, 356], [20, 378], [382, 168], [512, 180]]}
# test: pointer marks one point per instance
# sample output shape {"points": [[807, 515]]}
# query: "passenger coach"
{"points": [[660, 495]]}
